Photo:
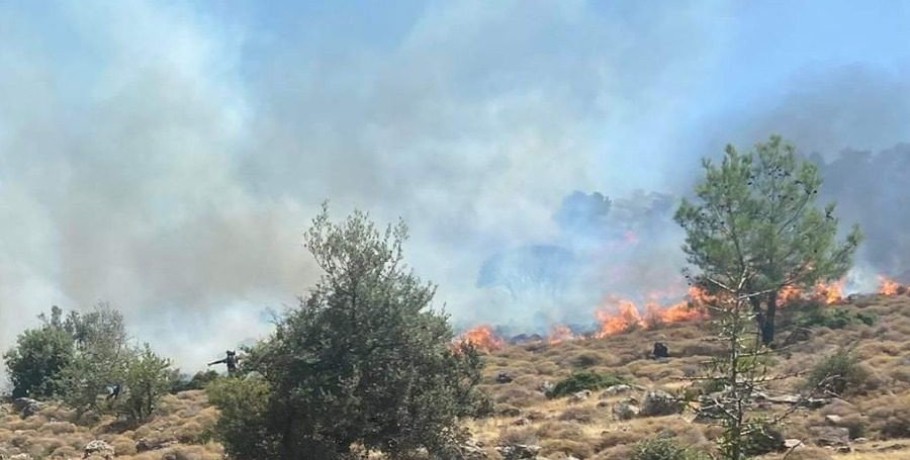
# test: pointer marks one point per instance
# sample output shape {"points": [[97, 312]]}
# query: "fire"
{"points": [[888, 286], [830, 293], [560, 334], [483, 338], [789, 294], [623, 315], [626, 319]]}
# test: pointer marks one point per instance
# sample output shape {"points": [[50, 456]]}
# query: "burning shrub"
{"points": [[580, 381]]}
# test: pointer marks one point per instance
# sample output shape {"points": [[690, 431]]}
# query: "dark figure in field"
{"points": [[660, 350], [114, 391], [230, 360]]}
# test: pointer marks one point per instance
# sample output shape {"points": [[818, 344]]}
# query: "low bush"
{"points": [[580, 381], [838, 373], [664, 448]]}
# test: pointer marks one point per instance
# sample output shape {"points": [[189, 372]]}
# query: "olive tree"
{"points": [[363, 362]]}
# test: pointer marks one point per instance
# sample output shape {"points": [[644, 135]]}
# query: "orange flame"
{"points": [[621, 315], [888, 287], [483, 338], [560, 334], [830, 293]]}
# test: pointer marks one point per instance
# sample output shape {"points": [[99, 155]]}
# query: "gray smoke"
{"points": [[168, 157]]}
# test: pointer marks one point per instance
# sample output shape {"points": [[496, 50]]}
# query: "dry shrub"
{"points": [[506, 410], [571, 431], [66, 452], [580, 414], [58, 428], [517, 435], [567, 447], [518, 397], [547, 368], [123, 445], [810, 453], [609, 439], [890, 416], [622, 452]]}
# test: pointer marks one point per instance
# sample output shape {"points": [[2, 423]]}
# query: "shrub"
{"points": [[817, 315], [364, 360], [580, 381], [39, 356], [838, 373], [199, 380], [663, 448]]}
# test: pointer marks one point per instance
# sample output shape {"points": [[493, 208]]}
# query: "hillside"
{"points": [[877, 414]]}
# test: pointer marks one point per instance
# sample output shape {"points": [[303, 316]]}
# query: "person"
{"points": [[230, 360], [114, 391]]}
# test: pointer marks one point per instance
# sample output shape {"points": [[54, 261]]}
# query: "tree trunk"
{"points": [[767, 329]]}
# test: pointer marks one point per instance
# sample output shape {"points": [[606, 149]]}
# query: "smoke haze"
{"points": [[167, 157]]}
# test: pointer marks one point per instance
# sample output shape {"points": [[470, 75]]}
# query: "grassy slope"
{"points": [[584, 429]]}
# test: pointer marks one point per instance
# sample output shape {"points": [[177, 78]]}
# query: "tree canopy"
{"points": [[363, 361], [756, 214]]}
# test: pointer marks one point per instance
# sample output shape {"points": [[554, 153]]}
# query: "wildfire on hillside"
{"points": [[889, 287], [622, 315], [619, 315], [483, 338], [560, 334]]}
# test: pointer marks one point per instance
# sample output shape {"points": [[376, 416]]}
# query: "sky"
{"points": [[167, 157]]}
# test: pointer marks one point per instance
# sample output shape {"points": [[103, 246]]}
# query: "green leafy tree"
{"points": [[363, 361], [101, 357], [147, 379], [756, 213], [39, 356]]}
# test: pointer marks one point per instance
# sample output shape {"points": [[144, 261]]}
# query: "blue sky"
{"points": [[166, 156]]}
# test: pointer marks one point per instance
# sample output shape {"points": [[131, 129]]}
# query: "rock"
{"points": [[472, 450], [21, 457], [815, 403], [831, 436], [790, 444], [658, 402], [518, 452], [660, 350], [508, 411], [625, 411], [147, 444], [834, 419], [546, 387], [26, 406], [616, 390], [580, 396], [99, 447], [503, 377]]}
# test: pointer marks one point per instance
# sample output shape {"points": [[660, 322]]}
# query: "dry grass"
{"points": [[878, 412]]}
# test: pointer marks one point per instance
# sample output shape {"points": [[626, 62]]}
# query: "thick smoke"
{"points": [[167, 159]]}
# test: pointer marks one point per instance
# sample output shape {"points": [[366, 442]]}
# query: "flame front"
{"points": [[622, 315], [888, 286], [560, 334], [483, 338]]}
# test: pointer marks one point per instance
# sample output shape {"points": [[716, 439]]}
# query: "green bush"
{"points": [[664, 448], [364, 361], [580, 381], [817, 315], [38, 358], [837, 374], [183, 382]]}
